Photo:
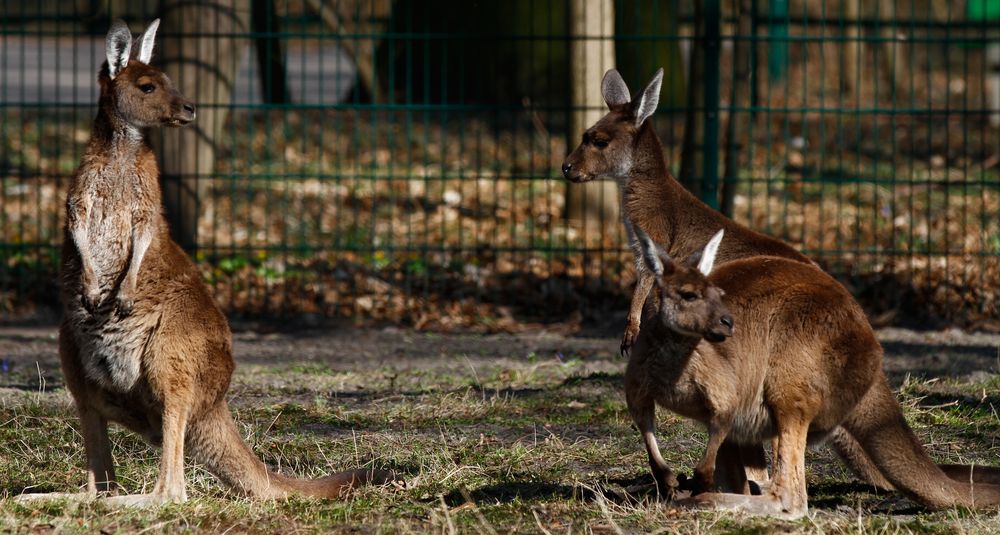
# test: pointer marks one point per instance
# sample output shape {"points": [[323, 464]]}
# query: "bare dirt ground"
{"points": [[401, 356], [505, 433]]}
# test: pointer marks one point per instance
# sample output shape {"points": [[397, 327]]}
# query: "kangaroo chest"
{"points": [[113, 350], [111, 346], [115, 201], [708, 386]]}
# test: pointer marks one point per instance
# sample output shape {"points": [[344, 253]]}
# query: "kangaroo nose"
{"points": [[566, 169], [189, 108], [727, 321]]}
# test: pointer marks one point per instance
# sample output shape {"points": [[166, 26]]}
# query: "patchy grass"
{"points": [[495, 434]]}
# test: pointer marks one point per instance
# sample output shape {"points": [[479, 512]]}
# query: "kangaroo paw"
{"points": [[142, 500], [90, 299], [124, 303], [667, 486], [628, 339], [75, 497]]}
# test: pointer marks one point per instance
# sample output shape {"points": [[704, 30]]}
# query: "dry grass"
{"points": [[523, 434]]}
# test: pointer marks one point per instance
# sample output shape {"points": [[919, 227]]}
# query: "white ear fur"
{"points": [[146, 42], [651, 252], [117, 47], [708, 255], [649, 99], [614, 90]]}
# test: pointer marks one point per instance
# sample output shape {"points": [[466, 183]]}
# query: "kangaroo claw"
{"points": [[90, 300], [628, 339], [124, 305]]}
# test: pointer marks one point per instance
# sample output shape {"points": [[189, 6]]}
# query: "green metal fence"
{"points": [[399, 160]]}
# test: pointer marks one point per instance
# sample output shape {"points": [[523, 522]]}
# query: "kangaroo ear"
{"points": [[118, 47], [657, 260], [708, 255], [614, 89], [146, 41], [649, 99]]}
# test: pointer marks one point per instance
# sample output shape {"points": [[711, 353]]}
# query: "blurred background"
{"points": [[398, 161]]}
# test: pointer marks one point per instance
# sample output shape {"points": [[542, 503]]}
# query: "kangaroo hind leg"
{"points": [[786, 497]]}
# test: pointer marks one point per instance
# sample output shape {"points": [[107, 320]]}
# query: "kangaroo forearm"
{"points": [[642, 288], [78, 232], [142, 236]]}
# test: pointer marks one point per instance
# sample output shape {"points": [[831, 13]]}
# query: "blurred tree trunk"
{"points": [[270, 53], [592, 52], [638, 59], [692, 148], [851, 71], [739, 97], [893, 65], [203, 66], [360, 17]]}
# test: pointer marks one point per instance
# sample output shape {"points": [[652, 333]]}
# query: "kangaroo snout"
{"points": [[184, 115], [572, 173], [567, 170], [721, 330]]}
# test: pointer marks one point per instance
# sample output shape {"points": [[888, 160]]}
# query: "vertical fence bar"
{"points": [[777, 29], [712, 43]]}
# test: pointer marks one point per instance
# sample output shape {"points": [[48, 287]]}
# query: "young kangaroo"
{"points": [[801, 361], [142, 342], [624, 145]]}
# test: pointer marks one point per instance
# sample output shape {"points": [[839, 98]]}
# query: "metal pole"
{"points": [[710, 180], [777, 46]]}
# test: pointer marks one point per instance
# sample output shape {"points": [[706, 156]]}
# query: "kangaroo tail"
{"points": [[879, 427], [214, 441], [857, 461], [976, 474]]}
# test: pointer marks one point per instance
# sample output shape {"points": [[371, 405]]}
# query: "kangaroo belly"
{"points": [[753, 425]]}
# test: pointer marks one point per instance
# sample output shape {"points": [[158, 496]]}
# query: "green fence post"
{"points": [[710, 169], [777, 46]]}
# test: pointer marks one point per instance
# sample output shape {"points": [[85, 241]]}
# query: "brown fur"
{"points": [[802, 361], [142, 342], [673, 217], [676, 219]]}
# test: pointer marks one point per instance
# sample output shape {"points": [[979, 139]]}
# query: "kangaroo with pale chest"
{"points": [[801, 361], [142, 343], [623, 145]]}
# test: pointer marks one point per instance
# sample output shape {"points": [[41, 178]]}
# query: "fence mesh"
{"points": [[400, 160]]}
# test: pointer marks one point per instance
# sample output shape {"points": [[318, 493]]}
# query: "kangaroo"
{"points": [[802, 361], [142, 342], [623, 145]]}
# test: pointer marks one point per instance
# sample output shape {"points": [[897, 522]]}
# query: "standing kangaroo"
{"points": [[802, 361], [142, 342], [623, 145]]}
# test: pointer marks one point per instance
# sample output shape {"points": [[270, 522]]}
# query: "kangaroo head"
{"points": [[608, 148], [138, 94], [690, 304]]}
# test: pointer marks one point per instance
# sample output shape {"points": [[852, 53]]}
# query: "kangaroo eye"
{"points": [[689, 296], [147, 88], [600, 143]]}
